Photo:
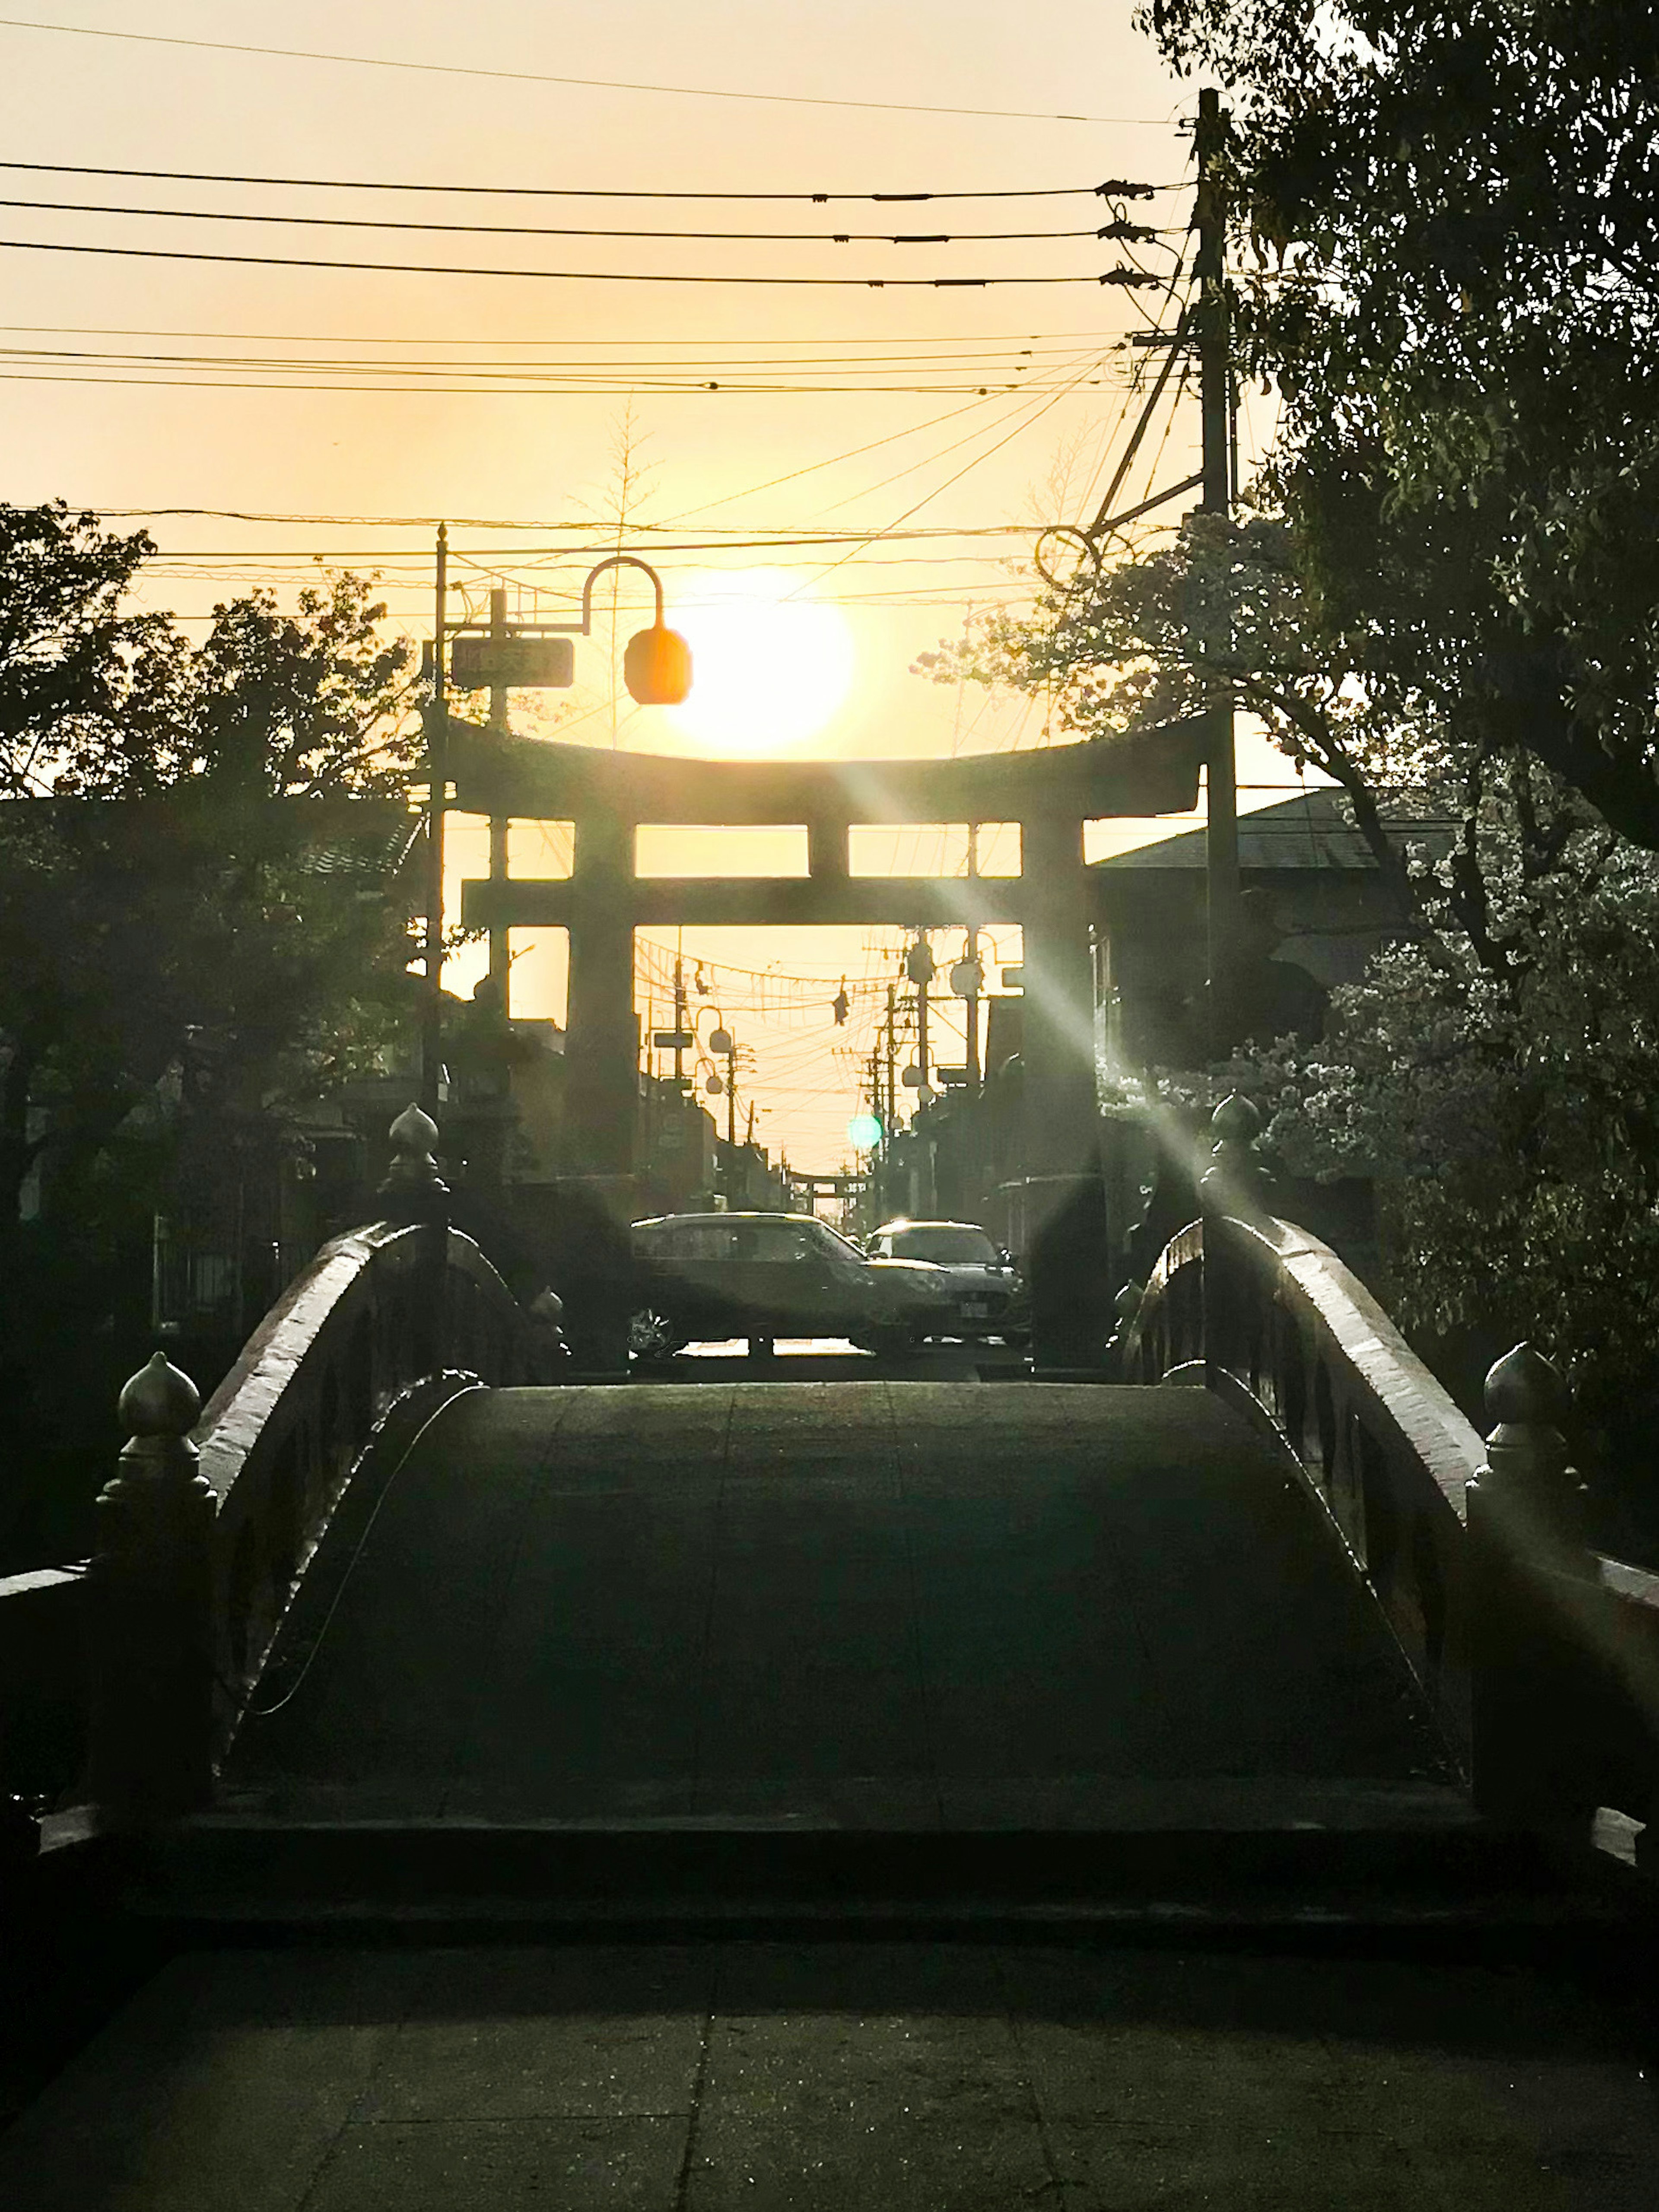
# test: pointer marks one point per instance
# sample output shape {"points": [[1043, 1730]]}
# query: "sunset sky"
{"points": [[872, 467]]}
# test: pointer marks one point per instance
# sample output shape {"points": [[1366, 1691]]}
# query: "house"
{"points": [[1315, 906]]}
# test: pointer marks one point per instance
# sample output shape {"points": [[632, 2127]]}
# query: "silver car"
{"points": [[988, 1298], [704, 1277]]}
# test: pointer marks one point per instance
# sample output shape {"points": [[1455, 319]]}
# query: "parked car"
{"points": [[709, 1276], [988, 1298]]}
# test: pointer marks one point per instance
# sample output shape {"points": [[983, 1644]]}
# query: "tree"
{"points": [[1507, 1118], [80, 681], [1136, 645], [199, 904], [187, 896], [1446, 213]]}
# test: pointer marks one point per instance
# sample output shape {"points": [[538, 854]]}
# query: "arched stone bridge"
{"points": [[854, 1792]]}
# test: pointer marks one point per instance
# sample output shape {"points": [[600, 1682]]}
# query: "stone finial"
{"points": [[1526, 1400], [159, 1400], [414, 1137], [1524, 1389], [413, 1187], [1234, 1177], [149, 1611]]}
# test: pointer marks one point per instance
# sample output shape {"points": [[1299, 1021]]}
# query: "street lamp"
{"points": [[721, 1045], [656, 668]]}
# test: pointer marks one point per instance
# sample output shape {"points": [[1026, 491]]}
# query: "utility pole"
{"points": [[679, 1024], [878, 1157], [437, 772], [971, 955], [501, 964], [892, 1056], [1216, 395]]}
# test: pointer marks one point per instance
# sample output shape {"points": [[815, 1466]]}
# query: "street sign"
{"points": [[951, 1078], [673, 1040], [517, 664]]}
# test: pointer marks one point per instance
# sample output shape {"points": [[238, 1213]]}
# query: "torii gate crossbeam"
{"points": [[607, 795]]}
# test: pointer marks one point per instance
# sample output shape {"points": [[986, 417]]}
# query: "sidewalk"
{"points": [[841, 2078]]}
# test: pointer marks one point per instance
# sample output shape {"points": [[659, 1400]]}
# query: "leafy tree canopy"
{"points": [[1446, 213], [160, 912], [1508, 1114]]}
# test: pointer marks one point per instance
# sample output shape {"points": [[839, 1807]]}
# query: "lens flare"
{"points": [[769, 672]]}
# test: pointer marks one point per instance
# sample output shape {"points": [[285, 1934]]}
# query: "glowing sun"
{"points": [[767, 671]]}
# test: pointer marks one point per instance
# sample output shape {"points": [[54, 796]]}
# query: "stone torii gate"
{"points": [[608, 796]]}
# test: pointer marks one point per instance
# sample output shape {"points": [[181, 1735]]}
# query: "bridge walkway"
{"points": [[876, 1605], [908, 1606]]}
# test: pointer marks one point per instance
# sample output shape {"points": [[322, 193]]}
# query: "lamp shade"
{"points": [[657, 666]]}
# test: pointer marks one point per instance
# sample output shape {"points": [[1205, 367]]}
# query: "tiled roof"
{"points": [[1304, 832]]}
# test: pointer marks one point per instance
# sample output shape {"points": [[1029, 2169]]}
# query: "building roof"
{"points": [[1308, 831]]}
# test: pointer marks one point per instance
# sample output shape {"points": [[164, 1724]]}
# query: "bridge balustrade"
{"points": [[209, 1524], [396, 1318], [1538, 1656]]}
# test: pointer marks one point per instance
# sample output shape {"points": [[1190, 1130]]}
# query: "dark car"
{"points": [[703, 1276], [988, 1298]]}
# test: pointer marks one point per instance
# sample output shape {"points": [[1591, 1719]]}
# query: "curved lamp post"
{"points": [[656, 668]]}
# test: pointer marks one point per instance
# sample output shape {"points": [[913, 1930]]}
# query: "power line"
{"points": [[538, 76], [1030, 421], [334, 338], [502, 389], [1113, 188], [738, 539], [960, 361], [1130, 279], [542, 230]]}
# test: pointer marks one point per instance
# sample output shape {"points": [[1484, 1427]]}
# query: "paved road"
{"points": [[837, 2078], [875, 1603]]}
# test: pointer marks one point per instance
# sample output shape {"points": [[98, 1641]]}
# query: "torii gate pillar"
{"points": [[602, 1041], [1065, 1224]]}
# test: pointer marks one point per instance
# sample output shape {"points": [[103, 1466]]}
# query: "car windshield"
{"points": [[835, 1245], [948, 1244], [778, 1240]]}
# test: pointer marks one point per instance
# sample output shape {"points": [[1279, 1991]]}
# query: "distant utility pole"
{"points": [[679, 1023], [892, 1058], [1216, 393], [501, 964], [437, 772], [972, 955]]}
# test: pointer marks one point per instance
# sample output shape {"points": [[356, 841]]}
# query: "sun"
{"points": [[767, 671]]}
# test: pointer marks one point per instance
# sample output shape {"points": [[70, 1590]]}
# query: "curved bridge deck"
{"points": [[911, 1605]]}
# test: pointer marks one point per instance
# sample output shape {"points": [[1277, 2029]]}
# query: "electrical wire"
{"points": [[1129, 279], [961, 360], [1031, 421], [519, 391], [1113, 188], [538, 76], [976, 342], [758, 543], [542, 230]]}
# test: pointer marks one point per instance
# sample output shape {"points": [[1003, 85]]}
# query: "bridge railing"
{"points": [[1538, 1656], [213, 1516]]}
